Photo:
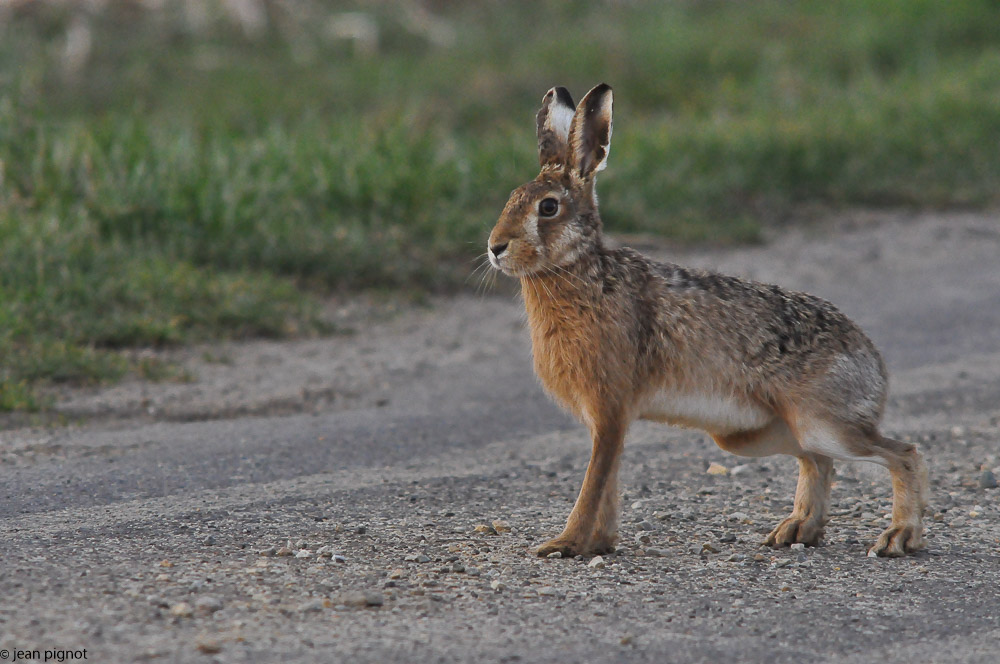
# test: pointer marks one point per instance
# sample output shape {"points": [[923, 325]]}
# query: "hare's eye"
{"points": [[548, 207]]}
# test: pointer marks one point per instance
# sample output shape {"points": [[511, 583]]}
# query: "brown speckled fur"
{"points": [[616, 337]]}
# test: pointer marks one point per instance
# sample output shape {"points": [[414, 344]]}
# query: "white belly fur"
{"points": [[710, 412]]}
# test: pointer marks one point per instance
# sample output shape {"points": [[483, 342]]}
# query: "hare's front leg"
{"points": [[592, 525]]}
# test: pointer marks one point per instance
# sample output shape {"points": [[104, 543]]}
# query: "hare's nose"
{"points": [[498, 249]]}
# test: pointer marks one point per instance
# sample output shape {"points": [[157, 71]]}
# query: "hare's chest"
{"points": [[568, 363]]}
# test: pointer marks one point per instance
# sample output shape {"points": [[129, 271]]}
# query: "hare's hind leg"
{"points": [[812, 498], [905, 464], [909, 497]]}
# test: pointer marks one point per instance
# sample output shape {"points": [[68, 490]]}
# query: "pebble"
{"points": [[740, 469], [396, 573], [738, 516], [798, 546], [208, 541], [708, 546], [358, 598], [646, 525], [284, 551], [987, 480], [304, 553], [338, 558], [269, 551], [312, 606], [642, 538], [654, 552], [207, 604], [207, 645], [554, 555], [717, 469], [182, 610], [597, 562], [497, 585], [548, 591], [728, 537], [458, 568], [485, 528], [661, 515], [500, 526]]}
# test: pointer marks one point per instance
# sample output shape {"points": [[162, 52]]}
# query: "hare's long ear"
{"points": [[553, 120], [590, 133]]}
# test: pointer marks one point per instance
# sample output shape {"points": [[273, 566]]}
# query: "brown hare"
{"points": [[617, 337]]}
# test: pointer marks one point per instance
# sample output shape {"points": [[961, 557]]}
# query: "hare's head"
{"points": [[552, 221]]}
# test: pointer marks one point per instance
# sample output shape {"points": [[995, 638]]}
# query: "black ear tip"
{"points": [[564, 97], [601, 88]]}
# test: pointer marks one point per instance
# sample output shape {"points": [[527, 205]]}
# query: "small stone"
{"points": [[759, 557], [458, 568], [872, 554], [646, 525], [548, 591], [642, 538], [312, 606], [655, 553], [269, 551], [728, 537], [162, 577], [423, 558], [738, 516], [324, 552], [957, 431], [661, 515], [627, 640], [374, 598], [717, 469], [338, 558], [500, 526], [637, 504], [396, 573], [786, 589], [208, 541], [798, 546], [304, 553], [182, 610], [736, 557], [709, 547], [285, 551], [497, 585], [166, 563], [782, 563], [207, 604], [740, 469], [301, 544], [554, 555], [485, 529], [597, 562], [207, 645], [987, 480]]}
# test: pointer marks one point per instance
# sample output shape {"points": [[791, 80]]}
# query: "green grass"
{"points": [[186, 185]]}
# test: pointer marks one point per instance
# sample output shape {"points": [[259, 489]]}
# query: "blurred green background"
{"points": [[174, 171]]}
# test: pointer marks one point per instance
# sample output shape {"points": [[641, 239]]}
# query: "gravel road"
{"points": [[374, 497]]}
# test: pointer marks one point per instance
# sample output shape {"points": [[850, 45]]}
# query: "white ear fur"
{"points": [[590, 132], [553, 121]]}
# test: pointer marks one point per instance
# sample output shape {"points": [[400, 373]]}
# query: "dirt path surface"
{"points": [[409, 467]]}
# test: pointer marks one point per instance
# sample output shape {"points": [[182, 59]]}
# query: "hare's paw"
{"points": [[899, 540], [600, 546], [794, 530], [567, 546]]}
